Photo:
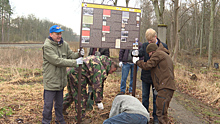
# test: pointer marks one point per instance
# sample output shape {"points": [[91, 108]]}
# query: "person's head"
{"points": [[56, 33], [151, 35], [151, 48], [113, 68]]}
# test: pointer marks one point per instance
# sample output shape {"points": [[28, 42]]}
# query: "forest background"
{"points": [[193, 38]]}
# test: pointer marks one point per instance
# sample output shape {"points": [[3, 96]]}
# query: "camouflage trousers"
{"points": [[72, 94]]}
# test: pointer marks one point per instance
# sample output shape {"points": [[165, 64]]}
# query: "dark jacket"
{"points": [[103, 51], [126, 56], [145, 74], [161, 66]]}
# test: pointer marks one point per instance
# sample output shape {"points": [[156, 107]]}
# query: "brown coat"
{"points": [[161, 66]]}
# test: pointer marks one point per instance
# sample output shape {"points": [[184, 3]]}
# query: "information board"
{"points": [[106, 26]]}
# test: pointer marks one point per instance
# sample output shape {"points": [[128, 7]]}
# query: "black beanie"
{"points": [[151, 47]]}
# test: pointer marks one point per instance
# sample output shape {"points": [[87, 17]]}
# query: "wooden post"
{"points": [[134, 80], [79, 118], [79, 93]]}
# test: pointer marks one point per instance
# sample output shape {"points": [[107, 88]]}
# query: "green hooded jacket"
{"points": [[56, 57]]}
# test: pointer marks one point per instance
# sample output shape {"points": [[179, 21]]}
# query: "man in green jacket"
{"points": [[56, 57]]}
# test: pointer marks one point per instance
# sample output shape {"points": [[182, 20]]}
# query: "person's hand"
{"points": [[135, 53], [120, 64], [135, 59], [81, 52], [79, 61], [100, 105]]}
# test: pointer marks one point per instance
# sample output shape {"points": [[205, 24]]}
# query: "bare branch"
{"points": [[188, 9], [184, 23]]}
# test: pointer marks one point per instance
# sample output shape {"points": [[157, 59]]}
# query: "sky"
{"points": [[64, 12]]}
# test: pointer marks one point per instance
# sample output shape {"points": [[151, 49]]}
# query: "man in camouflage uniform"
{"points": [[95, 70]]}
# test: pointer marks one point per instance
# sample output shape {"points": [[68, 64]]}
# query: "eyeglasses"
{"points": [[150, 41]]}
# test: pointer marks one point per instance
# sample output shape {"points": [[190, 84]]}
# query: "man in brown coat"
{"points": [[162, 73]]}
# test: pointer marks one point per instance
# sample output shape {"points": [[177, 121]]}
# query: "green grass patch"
{"points": [[216, 76], [7, 111]]}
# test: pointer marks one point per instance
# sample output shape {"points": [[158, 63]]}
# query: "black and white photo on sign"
{"points": [[103, 22], [138, 18], [123, 39], [85, 39], [125, 15], [124, 20], [104, 18], [124, 33], [87, 11], [103, 36], [86, 27]]}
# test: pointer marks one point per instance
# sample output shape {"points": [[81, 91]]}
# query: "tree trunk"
{"points": [[211, 31], [176, 9], [159, 10], [202, 27], [127, 1], [115, 3], [2, 16]]}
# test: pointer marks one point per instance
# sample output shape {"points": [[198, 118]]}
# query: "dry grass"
{"points": [[21, 88], [25, 99], [207, 86]]}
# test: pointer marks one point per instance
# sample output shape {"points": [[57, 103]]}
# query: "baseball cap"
{"points": [[55, 28]]}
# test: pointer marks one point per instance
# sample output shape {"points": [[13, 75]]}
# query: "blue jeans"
{"points": [[127, 118], [125, 71], [145, 97]]}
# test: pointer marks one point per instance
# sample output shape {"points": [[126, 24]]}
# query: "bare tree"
{"points": [[211, 31], [202, 27], [146, 20], [159, 9], [175, 28]]}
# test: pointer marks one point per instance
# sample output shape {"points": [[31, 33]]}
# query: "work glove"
{"points": [[135, 53], [135, 59], [120, 64], [100, 105], [81, 52], [155, 92], [79, 61]]}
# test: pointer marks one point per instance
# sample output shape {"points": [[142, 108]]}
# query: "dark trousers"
{"points": [[49, 97], [146, 95], [162, 101]]}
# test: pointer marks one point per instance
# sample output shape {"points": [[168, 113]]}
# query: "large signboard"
{"points": [[106, 26]]}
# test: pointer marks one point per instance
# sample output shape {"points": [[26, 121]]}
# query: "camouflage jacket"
{"points": [[95, 69]]}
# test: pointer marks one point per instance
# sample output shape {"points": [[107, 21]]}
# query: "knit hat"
{"points": [[151, 47]]}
